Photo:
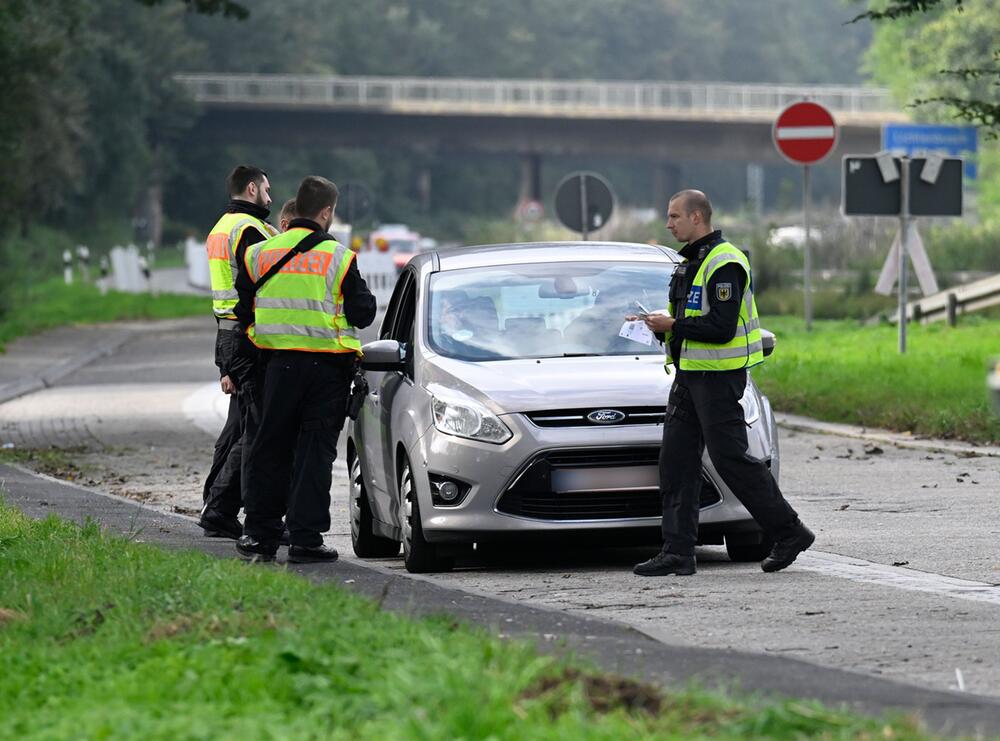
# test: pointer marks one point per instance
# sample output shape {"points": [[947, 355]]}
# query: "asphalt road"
{"points": [[902, 581]]}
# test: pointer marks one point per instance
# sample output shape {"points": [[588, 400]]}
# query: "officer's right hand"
{"points": [[658, 322], [228, 387]]}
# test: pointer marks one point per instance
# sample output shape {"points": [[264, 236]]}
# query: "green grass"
{"points": [[105, 638], [843, 372], [57, 462], [53, 304]]}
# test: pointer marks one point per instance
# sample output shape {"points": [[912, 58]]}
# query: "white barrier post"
{"points": [[379, 272], [196, 259]]}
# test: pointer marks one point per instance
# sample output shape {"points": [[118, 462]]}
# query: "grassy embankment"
{"points": [[52, 303], [843, 372], [105, 638]]}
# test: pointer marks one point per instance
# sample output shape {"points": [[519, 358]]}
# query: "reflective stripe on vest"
{"points": [[301, 307], [746, 349], [221, 247]]}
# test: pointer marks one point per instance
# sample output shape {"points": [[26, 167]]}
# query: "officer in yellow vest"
{"points": [[243, 224], [307, 299], [714, 338]]}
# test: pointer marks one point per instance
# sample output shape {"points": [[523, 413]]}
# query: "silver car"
{"points": [[504, 402]]}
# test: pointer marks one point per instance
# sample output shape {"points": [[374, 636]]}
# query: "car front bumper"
{"points": [[486, 471]]}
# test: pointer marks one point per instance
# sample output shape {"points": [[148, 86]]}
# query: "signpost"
{"points": [[883, 185], [804, 134], [354, 204], [584, 202]]}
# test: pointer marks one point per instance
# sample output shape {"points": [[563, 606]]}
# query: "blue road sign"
{"points": [[917, 139]]}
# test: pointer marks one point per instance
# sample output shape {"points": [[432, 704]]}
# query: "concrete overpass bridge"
{"points": [[664, 123]]}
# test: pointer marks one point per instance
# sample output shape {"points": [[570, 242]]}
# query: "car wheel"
{"points": [[419, 556], [743, 552], [366, 543]]}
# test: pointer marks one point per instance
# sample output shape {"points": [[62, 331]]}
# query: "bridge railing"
{"points": [[637, 98]]}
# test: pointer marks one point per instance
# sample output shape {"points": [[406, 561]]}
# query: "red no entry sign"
{"points": [[804, 133]]}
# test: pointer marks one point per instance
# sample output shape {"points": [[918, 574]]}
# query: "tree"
{"points": [[968, 87]]}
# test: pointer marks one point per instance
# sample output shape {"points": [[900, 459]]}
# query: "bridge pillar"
{"points": [[755, 189], [424, 189], [531, 178], [666, 182]]}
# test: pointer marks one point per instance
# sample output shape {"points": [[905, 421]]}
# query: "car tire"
{"points": [[363, 538], [746, 552], [419, 556]]}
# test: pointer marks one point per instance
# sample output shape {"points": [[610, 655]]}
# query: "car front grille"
{"points": [[578, 417], [591, 484]]}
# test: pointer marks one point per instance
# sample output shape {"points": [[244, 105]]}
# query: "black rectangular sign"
{"points": [[864, 191]]}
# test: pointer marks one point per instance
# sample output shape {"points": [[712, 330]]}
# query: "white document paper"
{"points": [[636, 331]]}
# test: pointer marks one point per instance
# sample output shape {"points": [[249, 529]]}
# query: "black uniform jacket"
{"points": [[725, 289]]}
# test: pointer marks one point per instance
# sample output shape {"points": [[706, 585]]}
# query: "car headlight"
{"points": [[751, 408], [464, 417]]}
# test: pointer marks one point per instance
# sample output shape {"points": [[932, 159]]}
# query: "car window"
{"points": [[542, 310], [392, 312]]}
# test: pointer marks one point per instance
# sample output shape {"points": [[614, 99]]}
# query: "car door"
{"points": [[368, 429], [377, 433]]}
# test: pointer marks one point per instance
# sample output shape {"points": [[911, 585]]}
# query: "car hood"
{"points": [[508, 386]]}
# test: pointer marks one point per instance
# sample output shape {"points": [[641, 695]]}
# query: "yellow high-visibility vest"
{"points": [[221, 246], [301, 307], [746, 349]]}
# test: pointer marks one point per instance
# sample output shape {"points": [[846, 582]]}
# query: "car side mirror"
{"points": [[768, 341], [383, 355]]}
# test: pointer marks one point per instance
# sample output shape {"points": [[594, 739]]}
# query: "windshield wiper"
{"points": [[581, 354]]}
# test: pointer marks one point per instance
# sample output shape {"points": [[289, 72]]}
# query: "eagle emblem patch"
{"points": [[723, 291]]}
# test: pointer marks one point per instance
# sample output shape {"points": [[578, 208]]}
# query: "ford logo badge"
{"points": [[606, 416]]}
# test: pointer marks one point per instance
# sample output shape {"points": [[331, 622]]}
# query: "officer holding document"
{"points": [[713, 338]]}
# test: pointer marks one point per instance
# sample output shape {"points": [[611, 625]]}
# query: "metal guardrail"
{"points": [[952, 302], [533, 97]]}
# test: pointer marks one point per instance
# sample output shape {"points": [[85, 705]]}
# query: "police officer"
{"points": [[243, 224], [307, 297], [714, 337]]}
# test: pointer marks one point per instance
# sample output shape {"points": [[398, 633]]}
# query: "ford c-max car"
{"points": [[504, 402]]}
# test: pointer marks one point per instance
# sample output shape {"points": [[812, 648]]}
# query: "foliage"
{"points": [[92, 119], [227, 8], [843, 372], [105, 638], [959, 46]]}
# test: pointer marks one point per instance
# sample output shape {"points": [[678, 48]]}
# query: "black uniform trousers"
{"points": [[224, 489], [222, 479], [221, 493], [289, 463], [704, 411]]}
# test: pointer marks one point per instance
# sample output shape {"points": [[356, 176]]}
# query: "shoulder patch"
{"points": [[723, 291]]}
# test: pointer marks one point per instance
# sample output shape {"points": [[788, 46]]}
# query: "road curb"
{"points": [[57, 371], [886, 437]]}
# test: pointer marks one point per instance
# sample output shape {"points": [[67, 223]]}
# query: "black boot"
{"points": [[307, 554], [666, 563], [251, 549], [787, 549], [219, 526]]}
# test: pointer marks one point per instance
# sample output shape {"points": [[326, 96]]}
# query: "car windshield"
{"points": [[542, 310]]}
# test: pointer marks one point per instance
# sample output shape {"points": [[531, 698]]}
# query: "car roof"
{"points": [[459, 258]]}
